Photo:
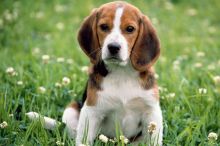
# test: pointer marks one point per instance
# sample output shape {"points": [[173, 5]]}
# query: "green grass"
{"points": [[186, 29]]}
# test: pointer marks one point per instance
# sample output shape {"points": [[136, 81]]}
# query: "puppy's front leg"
{"points": [[154, 116], [89, 115]]}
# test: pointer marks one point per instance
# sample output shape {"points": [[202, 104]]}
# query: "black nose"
{"points": [[113, 48]]}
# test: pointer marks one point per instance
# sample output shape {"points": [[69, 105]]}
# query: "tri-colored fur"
{"points": [[121, 90]]}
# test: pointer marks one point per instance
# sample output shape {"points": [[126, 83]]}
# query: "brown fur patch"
{"points": [[98, 71], [148, 81], [74, 105], [130, 17], [147, 47], [87, 37], [106, 16], [93, 87]]}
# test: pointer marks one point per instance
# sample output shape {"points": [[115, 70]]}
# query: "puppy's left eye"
{"points": [[104, 27], [130, 29]]}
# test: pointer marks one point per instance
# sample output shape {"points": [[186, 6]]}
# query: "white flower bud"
{"points": [[103, 138], [41, 89], [65, 81], [212, 136]]}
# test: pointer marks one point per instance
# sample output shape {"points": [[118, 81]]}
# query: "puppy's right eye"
{"points": [[104, 27]]}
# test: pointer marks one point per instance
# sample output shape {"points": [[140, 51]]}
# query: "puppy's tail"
{"points": [[48, 123], [69, 120]]}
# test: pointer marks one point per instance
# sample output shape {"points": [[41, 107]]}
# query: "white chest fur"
{"points": [[124, 100], [121, 86]]}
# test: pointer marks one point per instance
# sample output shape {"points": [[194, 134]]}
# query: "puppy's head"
{"points": [[117, 33]]}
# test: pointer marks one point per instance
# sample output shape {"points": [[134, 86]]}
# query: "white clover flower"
{"points": [[39, 15], [177, 109], [171, 95], [69, 61], [162, 89], [200, 54], [152, 127], [60, 59], [124, 139], [59, 8], [11, 71], [176, 65], [216, 79], [156, 76], [169, 5], [191, 12], [60, 26], [74, 94], [36, 50], [20, 83], [198, 65], [84, 68], [176, 62], [65, 81], [183, 57], [211, 67], [42, 89], [103, 138], [112, 140], [45, 58], [3, 125], [202, 90], [71, 91], [212, 136], [11, 115], [59, 143], [8, 16], [58, 85]]}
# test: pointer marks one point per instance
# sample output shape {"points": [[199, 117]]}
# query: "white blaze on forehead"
{"points": [[117, 20], [116, 37]]}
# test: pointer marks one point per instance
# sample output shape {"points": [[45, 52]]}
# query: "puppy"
{"points": [[122, 46]]}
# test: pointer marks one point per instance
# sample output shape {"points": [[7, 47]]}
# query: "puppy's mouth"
{"points": [[115, 60]]}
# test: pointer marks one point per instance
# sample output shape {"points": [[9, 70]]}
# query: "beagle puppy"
{"points": [[122, 46]]}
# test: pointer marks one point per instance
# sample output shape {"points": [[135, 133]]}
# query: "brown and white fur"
{"points": [[121, 85]]}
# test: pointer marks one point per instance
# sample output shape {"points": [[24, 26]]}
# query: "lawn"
{"points": [[38, 40]]}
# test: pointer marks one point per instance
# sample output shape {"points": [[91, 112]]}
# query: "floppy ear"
{"points": [[87, 37], [147, 46]]}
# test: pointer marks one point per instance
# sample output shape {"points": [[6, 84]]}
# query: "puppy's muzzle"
{"points": [[113, 51]]}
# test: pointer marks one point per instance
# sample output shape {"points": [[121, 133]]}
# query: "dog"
{"points": [[122, 46]]}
